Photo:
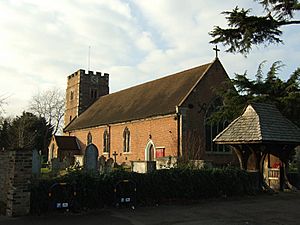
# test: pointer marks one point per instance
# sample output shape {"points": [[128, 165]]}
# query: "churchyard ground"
{"points": [[282, 208]]}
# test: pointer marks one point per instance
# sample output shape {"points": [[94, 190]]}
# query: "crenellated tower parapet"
{"points": [[83, 89]]}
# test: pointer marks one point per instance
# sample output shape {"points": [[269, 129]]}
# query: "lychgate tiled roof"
{"points": [[66, 142], [154, 98], [260, 123]]}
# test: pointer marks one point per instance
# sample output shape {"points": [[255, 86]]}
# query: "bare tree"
{"points": [[2, 103], [49, 104]]}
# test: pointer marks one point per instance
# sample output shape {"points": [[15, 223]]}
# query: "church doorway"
{"points": [[150, 151]]}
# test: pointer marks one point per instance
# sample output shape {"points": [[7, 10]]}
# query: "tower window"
{"points": [[72, 95], [94, 93]]}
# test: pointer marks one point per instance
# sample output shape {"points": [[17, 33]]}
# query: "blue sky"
{"points": [[42, 42]]}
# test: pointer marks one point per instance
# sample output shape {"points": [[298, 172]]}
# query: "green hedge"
{"points": [[97, 190]]}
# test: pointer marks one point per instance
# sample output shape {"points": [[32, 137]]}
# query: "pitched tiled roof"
{"points": [[66, 142], [154, 98], [260, 123]]}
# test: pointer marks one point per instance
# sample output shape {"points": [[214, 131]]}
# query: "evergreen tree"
{"points": [[29, 132], [267, 88], [4, 134], [246, 30]]}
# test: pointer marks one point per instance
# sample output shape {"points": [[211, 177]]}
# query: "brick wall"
{"points": [[15, 171], [4, 160], [79, 88], [196, 106], [162, 130]]}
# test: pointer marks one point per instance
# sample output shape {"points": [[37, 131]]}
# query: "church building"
{"points": [[161, 118]]}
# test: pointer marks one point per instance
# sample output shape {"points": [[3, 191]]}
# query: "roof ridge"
{"points": [[259, 121]]}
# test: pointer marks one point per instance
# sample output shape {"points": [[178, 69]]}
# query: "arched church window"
{"points": [[126, 140], [89, 138], [213, 128], [105, 141]]}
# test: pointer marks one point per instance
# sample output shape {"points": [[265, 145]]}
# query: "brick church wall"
{"points": [[183, 135], [196, 106], [161, 130]]}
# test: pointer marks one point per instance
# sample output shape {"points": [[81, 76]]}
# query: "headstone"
{"points": [[109, 165], [101, 162], [166, 162], [143, 166], [66, 162], [200, 164], [55, 165], [91, 158], [78, 161], [36, 163]]}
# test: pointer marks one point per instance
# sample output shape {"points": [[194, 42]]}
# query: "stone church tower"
{"points": [[83, 89]]}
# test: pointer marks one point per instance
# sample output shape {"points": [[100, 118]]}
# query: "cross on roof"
{"points": [[217, 50]]}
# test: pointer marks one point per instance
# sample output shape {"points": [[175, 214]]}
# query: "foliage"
{"points": [[26, 131], [246, 30], [2, 103], [295, 162], [96, 190], [4, 134], [267, 88], [49, 104]]}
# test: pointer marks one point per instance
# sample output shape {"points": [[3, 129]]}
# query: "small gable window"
{"points": [[126, 140], [89, 139], [105, 141]]}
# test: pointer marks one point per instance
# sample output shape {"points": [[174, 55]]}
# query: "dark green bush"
{"points": [[96, 190]]}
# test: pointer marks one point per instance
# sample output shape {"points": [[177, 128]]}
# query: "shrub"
{"points": [[96, 190]]}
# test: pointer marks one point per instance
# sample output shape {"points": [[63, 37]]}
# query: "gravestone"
{"points": [[109, 165], [166, 162], [143, 166], [101, 164], [36, 163], [66, 163], [91, 158], [78, 161], [55, 165]]}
